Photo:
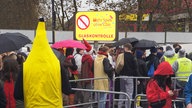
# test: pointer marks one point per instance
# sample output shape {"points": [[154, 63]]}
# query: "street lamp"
{"points": [[53, 21]]}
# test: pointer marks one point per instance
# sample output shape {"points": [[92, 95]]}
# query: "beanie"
{"points": [[139, 53], [153, 50], [168, 48]]}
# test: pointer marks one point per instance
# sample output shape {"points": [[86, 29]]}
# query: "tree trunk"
{"points": [[139, 15]]}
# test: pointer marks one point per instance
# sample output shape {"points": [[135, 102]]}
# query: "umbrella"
{"points": [[59, 55], [12, 41], [146, 44], [68, 44], [123, 41]]}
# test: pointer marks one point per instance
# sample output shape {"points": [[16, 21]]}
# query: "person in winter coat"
{"points": [[169, 56], [152, 58], [87, 72], [159, 87], [70, 64], [142, 68], [130, 69], [141, 63], [102, 69], [188, 92]]}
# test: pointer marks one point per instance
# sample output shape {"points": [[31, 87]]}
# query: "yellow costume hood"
{"points": [[41, 74]]}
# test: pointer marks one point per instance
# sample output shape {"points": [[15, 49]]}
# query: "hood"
{"points": [[164, 68], [86, 57], [169, 53]]}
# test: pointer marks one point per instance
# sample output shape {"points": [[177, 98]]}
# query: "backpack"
{"points": [[151, 70]]}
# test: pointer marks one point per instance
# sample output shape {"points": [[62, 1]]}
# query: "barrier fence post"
{"points": [[91, 93], [113, 104]]}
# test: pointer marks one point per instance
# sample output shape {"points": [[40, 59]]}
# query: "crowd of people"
{"points": [[107, 62]]}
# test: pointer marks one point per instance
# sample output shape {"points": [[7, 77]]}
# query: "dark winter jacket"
{"points": [[130, 67], [71, 66], [142, 67], [108, 69], [152, 59]]}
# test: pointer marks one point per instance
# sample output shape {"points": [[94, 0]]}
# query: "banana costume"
{"points": [[41, 74]]}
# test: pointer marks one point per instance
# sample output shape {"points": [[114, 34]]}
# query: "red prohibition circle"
{"points": [[84, 20]]}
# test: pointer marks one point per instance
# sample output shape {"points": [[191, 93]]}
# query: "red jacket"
{"points": [[154, 91], [86, 67]]}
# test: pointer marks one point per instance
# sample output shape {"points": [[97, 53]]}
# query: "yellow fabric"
{"points": [[41, 74], [101, 84], [171, 60], [184, 68]]}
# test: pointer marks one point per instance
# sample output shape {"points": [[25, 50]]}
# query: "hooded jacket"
{"points": [[169, 56], [156, 93]]}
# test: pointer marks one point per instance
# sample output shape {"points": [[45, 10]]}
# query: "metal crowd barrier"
{"points": [[174, 79], [127, 100], [138, 98]]}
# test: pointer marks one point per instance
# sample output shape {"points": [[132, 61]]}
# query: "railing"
{"points": [[174, 79], [138, 98], [127, 100]]}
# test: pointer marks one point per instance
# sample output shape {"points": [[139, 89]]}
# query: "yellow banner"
{"points": [[133, 17], [95, 25]]}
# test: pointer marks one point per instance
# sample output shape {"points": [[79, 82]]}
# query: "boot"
{"points": [[71, 99]]}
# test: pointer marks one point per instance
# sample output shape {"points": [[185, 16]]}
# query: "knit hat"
{"points": [[161, 48], [168, 48], [181, 53], [153, 50], [139, 53], [89, 47]]}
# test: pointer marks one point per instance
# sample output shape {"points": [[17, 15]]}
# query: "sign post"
{"points": [[96, 26]]}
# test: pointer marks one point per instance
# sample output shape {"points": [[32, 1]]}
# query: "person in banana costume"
{"points": [[41, 78]]}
